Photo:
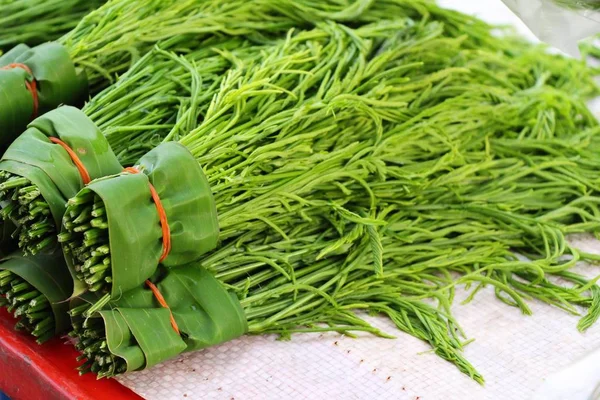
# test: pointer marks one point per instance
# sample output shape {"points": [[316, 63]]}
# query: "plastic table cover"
{"points": [[515, 353]]}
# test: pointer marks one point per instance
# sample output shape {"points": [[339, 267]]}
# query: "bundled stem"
{"points": [[29, 210], [28, 304], [92, 344], [35, 289], [87, 221]]}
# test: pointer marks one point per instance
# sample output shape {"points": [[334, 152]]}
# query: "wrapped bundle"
{"points": [[188, 205], [350, 169], [40, 171], [198, 313]]}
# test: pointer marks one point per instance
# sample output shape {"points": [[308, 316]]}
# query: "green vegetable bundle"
{"points": [[34, 191], [108, 40], [38, 175], [36, 21], [121, 206], [353, 168], [36, 290], [117, 338]]}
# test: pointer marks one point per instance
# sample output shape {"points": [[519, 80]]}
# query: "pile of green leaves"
{"points": [[36, 21], [107, 41], [367, 168], [62, 69]]}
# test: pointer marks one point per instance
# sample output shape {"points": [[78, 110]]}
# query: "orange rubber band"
{"points": [[85, 176], [31, 86], [162, 215], [163, 303]]}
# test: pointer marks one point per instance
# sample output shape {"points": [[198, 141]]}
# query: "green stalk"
{"points": [[34, 22]]}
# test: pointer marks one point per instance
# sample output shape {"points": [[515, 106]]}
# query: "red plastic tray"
{"points": [[30, 372]]}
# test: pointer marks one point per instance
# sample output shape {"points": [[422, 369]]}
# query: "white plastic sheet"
{"points": [[518, 355], [558, 24]]}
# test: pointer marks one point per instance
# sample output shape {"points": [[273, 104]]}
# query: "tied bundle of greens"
{"points": [[33, 21], [121, 203], [49, 163], [135, 332], [359, 169], [131, 110], [35, 289], [35, 81]]}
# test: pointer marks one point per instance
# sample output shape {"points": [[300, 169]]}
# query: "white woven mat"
{"points": [[515, 353]]}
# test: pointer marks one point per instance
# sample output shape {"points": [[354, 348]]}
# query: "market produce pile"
{"points": [[354, 157], [107, 41]]}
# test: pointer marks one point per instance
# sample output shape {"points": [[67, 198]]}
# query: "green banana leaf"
{"points": [[58, 83], [134, 230], [48, 166], [139, 331], [47, 273], [11, 56]]}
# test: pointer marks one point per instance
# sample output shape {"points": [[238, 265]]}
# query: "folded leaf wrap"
{"points": [[48, 166], [138, 328], [58, 83], [134, 230], [47, 274]]}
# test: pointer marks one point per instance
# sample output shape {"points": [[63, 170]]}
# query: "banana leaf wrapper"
{"points": [[48, 166], [47, 273], [139, 330], [134, 229], [58, 82]]}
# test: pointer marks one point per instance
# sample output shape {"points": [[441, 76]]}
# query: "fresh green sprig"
{"points": [[112, 38]]}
